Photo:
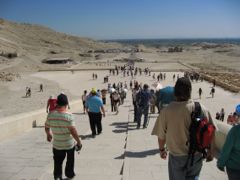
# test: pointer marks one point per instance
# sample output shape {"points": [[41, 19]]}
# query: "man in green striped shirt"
{"points": [[63, 133]]}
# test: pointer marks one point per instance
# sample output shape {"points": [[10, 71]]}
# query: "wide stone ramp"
{"points": [[142, 160], [120, 152], [101, 157]]}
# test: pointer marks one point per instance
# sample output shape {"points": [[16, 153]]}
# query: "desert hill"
{"points": [[33, 43]]}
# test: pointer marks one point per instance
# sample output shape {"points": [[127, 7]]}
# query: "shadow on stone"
{"points": [[119, 130], [88, 136], [78, 113], [153, 116], [39, 127], [118, 123], [120, 127], [141, 154], [120, 157]]}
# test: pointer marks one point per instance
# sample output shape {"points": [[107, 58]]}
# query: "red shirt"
{"points": [[52, 104]]}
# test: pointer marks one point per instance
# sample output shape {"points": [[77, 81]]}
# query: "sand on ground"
{"points": [[12, 93]]}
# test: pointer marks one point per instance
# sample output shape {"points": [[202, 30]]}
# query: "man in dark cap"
{"points": [[63, 133], [172, 129]]}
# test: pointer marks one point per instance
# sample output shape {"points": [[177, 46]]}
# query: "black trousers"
{"points": [[95, 120], [135, 111], [58, 157], [104, 100]]}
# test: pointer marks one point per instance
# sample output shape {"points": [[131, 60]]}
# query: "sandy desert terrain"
{"points": [[23, 47]]}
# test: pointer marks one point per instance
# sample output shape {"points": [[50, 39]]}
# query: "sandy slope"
{"points": [[33, 43]]}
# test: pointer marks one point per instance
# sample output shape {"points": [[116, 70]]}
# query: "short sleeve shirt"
{"points": [[173, 125], [59, 122], [52, 104], [94, 103]]}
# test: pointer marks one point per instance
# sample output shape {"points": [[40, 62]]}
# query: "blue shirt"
{"points": [[143, 98], [166, 95], [94, 103], [230, 154]]}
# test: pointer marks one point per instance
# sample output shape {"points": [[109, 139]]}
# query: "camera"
{"points": [[78, 147]]}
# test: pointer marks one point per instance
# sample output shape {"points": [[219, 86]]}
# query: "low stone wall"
{"points": [[220, 136], [17, 124], [224, 85]]}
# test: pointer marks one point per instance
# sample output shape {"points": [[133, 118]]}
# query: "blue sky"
{"points": [[129, 19]]}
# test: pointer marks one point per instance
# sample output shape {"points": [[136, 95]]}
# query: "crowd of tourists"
{"points": [[175, 107]]}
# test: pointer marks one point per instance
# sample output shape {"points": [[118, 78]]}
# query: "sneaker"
{"points": [[138, 127], [144, 127], [58, 178], [70, 178]]}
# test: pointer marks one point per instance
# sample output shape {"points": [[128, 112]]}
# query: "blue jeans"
{"points": [[233, 174], [142, 111], [178, 171]]}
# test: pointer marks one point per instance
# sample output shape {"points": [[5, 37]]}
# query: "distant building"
{"points": [[58, 60]]}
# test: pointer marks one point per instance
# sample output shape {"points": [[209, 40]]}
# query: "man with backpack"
{"points": [[175, 128], [142, 99]]}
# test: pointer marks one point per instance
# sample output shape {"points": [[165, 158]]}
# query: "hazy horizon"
{"points": [[116, 20]]}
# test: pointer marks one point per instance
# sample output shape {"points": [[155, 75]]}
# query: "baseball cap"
{"points": [[62, 100]]}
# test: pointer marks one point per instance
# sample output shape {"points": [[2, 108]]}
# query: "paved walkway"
{"points": [[120, 153]]}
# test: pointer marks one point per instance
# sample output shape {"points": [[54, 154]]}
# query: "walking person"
{"points": [[232, 119], [172, 130], [153, 99], [84, 98], [63, 133], [51, 104], [165, 97], [142, 99], [111, 101], [134, 96], [104, 95], [116, 101], [212, 92], [200, 93], [95, 111], [123, 95], [41, 88], [230, 154], [130, 84], [29, 92], [214, 82], [222, 115], [174, 76]]}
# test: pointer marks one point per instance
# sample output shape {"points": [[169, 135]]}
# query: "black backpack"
{"points": [[201, 134]]}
